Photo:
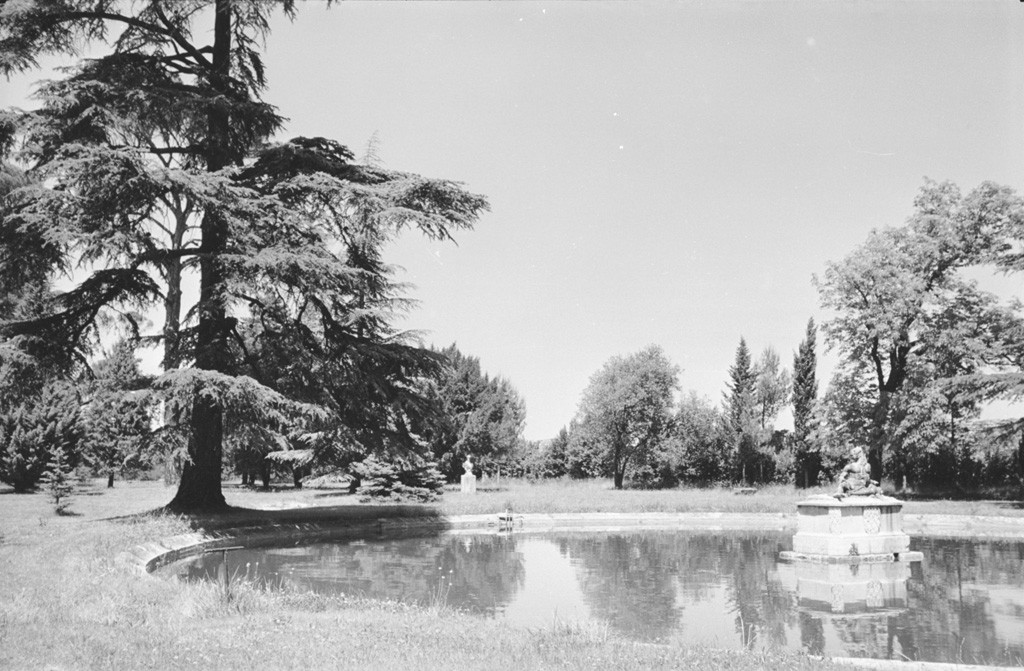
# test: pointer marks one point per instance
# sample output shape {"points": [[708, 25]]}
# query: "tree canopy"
{"points": [[627, 410], [479, 415], [153, 159], [901, 296]]}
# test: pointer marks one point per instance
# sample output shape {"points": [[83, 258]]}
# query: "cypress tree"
{"points": [[805, 392], [741, 408]]}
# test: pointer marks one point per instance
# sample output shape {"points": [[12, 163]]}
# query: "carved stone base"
{"points": [[853, 529]]}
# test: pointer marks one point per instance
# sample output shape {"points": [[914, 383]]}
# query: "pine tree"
{"points": [[57, 481], [805, 393]]}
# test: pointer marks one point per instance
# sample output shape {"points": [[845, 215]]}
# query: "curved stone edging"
{"points": [[963, 526], [914, 665], [147, 557]]}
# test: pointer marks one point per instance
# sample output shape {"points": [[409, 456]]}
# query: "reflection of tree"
{"points": [[763, 607], [812, 633], [865, 635], [951, 606], [628, 581], [479, 573]]}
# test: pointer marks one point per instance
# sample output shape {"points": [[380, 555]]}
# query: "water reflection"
{"points": [[963, 603], [478, 573]]}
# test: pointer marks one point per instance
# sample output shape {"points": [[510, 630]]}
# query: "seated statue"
{"points": [[855, 479]]}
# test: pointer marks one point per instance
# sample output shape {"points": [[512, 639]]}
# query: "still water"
{"points": [[963, 603]]}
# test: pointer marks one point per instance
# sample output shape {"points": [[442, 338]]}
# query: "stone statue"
{"points": [[468, 482], [855, 480]]}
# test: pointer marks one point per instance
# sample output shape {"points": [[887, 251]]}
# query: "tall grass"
{"points": [[579, 496]]}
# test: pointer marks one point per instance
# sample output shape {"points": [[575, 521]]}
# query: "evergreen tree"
{"points": [[479, 415], [155, 152], [399, 480], [741, 409], [116, 417], [34, 426], [554, 458], [57, 480], [805, 394]]}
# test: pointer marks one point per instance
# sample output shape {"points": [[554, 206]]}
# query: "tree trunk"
{"points": [[876, 446], [1020, 456], [110, 479], [200, 486], [619, 475], [172, 316]]}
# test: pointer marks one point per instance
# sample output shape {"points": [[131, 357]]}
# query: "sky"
{"points": [[669, 173]]}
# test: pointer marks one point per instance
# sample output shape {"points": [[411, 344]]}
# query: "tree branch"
{"points": [[119, 18], [180, 40]]}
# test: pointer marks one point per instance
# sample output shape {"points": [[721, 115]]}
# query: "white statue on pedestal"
{"points": [[468, 479]]}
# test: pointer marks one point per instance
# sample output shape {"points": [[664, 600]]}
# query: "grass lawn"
{"points": [[65, 602]]}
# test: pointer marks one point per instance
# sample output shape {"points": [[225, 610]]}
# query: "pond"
{"points": [[964, 603]]}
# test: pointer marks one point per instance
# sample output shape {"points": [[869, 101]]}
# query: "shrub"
{"points": [[31, 432], [403, 480]]}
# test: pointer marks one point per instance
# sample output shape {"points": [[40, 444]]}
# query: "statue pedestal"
{"points": [[851, 530], [468, 483]]}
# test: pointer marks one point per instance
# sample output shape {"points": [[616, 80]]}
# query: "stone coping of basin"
{"points": [[149, 556], [913, 665]]}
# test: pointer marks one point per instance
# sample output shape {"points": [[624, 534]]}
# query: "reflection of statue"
{"points": [[855, 480]]}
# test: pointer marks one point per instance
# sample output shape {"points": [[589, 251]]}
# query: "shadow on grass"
{"points": [[232, 517], [326, 494]]}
